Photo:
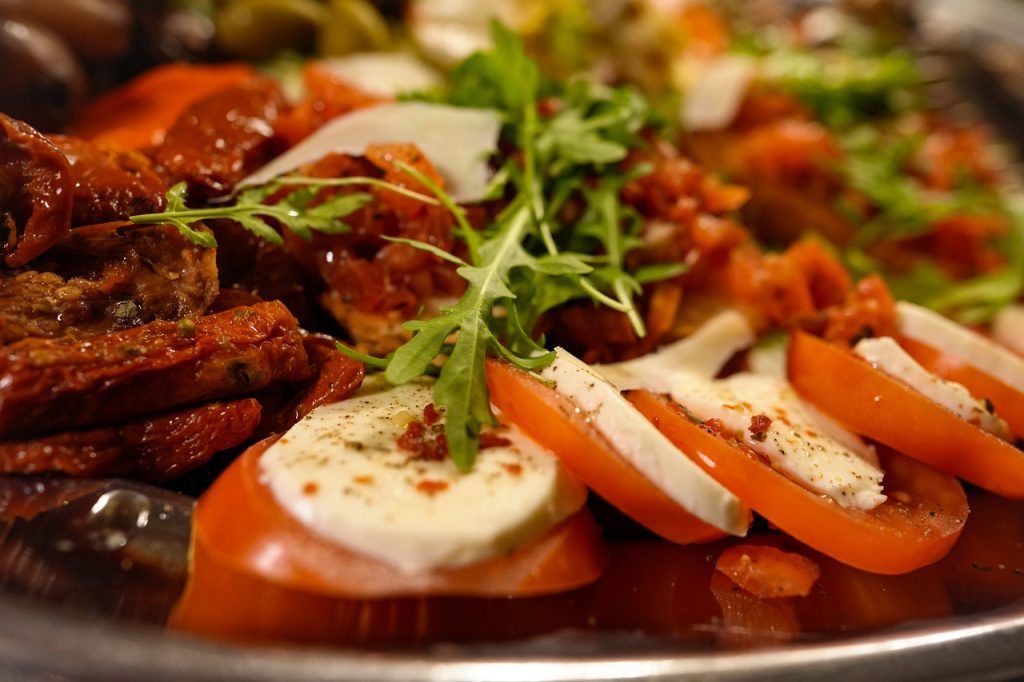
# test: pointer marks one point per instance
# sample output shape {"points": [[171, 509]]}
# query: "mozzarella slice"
{"points": [[341, 472], [799, 440], [702, 354], [457, 140], [641, 444], [386, 74], [714, 100], [885, 355], [1008, 327], [937, 331], [769, 357]]}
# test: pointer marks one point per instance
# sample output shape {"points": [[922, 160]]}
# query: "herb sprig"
{"points": [[300, 208], [530, 259]]}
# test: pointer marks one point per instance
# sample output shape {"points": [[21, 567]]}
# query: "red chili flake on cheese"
{"points": [[514, 469], [310, 488], [489, 439], [431, 487], [426, 440], [759, 425], [363, 480]]}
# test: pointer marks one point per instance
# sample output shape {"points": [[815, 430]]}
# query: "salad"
{"points": [[715, 340]]}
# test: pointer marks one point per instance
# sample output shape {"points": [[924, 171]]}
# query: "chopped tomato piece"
{"points": [[768, 572], [917, 524], [554, 422], [749, 620], [239, 523], [138, 114], [880, 407]]}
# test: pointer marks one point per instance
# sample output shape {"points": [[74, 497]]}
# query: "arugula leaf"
{"points": [[300, 210], [844, 87], [975, 300], [461, 388], [529, 260]]}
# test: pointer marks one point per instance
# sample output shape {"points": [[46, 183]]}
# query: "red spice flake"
{"points": [[489, 439], [768, 572], [431, 487], [759, 425], [718, 427], [363, 480], [424, 442], [310, 488], [514, 469]]}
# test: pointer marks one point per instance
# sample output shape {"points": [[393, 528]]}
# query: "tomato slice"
{"points": [[915, 526], [234, 605], [1008, 401], [239, 523], [875, 405], [553, 421]]}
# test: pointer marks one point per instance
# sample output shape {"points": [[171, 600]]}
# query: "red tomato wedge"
{"points": [[137, 115], [1008, 401], [556, 423], [875, 405], [915, 526], [238, 522]]}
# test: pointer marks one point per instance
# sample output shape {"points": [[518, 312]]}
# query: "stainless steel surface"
{"points": [[40, 644]]}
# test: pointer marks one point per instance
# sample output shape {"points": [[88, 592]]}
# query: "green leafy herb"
{"points": [[299, 208], [844, 87], [530, 260], [877, 166]]}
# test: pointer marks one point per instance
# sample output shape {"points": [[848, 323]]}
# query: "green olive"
{"points": [[352, 26], [259, 29]]}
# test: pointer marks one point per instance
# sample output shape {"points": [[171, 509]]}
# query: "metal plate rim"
{"points": [[47, 643]]}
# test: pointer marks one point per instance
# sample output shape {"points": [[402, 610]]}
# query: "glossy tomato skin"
{"points": [[875, 405], [921, 519], [233, 605], [557, 424]]}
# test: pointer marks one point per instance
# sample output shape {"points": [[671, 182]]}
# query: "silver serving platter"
{"points": [[42, 639], [39, 644]]}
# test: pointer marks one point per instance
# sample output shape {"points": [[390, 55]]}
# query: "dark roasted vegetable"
{"points": [[49, 386]]}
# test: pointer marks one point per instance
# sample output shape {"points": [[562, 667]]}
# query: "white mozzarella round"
{"points": [[341, 472], [799, 440]]}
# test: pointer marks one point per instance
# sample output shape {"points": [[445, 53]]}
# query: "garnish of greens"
{"points": [[529, 260], [855, 88], [875, 166]]}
